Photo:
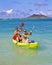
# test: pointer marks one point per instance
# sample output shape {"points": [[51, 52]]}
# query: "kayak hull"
{"points": [[30, 45]]}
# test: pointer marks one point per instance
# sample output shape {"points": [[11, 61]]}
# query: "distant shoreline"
{"points": [[28, 18], [23, 18]]}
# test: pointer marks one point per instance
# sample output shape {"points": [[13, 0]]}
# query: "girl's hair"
{"points": [[16, 28]]}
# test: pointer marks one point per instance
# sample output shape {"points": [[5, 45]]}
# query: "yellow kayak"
{"points": [[30, 45]]}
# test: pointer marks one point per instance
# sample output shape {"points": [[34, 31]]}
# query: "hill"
{"points": [[37, 16]]}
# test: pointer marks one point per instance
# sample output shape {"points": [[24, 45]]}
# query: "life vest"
{"points": [[14, 37]]}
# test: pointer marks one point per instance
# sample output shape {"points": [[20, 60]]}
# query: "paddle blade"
{"points": [[22, 24]]}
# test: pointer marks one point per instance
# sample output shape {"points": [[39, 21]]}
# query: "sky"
{"points": [[26, 7]]}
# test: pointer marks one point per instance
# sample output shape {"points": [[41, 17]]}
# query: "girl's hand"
{"points": [[30, 32]]}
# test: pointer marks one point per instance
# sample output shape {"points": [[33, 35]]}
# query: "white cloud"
{"points": [[49, 13], [41, 12], [9, 11], [40, 4]]}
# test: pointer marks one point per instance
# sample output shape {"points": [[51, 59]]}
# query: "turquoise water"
{"points": [[10, 54]]}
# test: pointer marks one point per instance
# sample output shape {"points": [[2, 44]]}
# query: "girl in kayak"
{"points": [[17, 35], [17, 31], [25, 37]]}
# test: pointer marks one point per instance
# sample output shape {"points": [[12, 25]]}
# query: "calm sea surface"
{"points": [[11, 54]]}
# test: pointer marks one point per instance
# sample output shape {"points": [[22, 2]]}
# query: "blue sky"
{"points": [[27, 6]]}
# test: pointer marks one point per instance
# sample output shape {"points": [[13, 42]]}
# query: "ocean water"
{"points": [[11, 54]]}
